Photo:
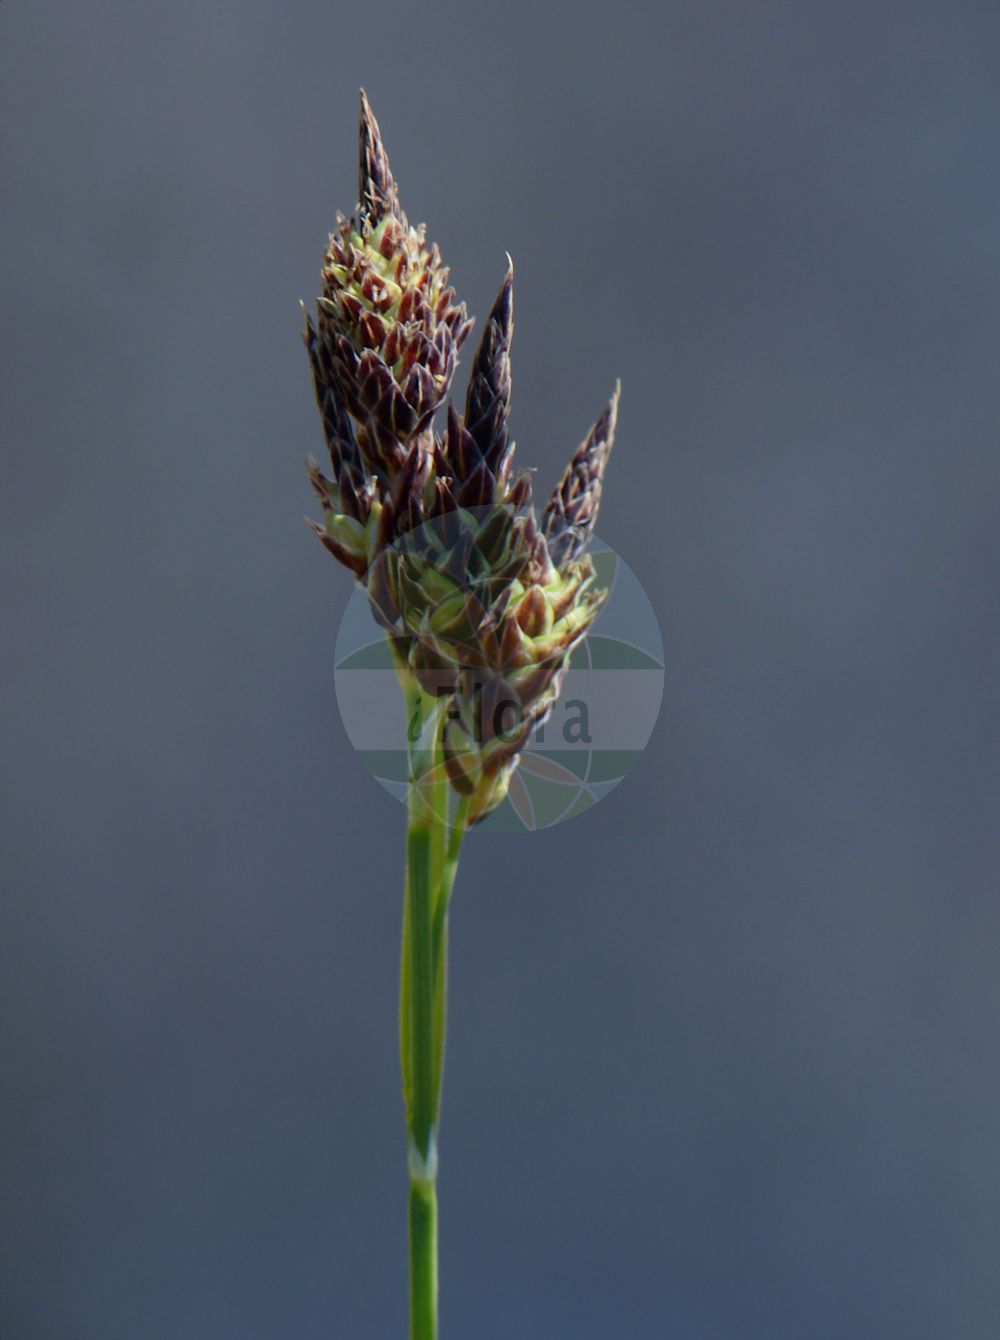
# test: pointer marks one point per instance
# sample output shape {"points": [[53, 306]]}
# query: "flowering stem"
{"points": [[431, 863]]}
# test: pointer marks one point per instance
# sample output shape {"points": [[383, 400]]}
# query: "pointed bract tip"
{"points": [[377, 193], [603, 432], [308, 329], [502, 311]]}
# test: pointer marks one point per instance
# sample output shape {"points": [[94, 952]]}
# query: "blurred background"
{"points": [[723, 1056]]}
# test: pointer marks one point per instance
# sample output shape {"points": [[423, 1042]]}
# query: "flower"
{"points": [[482, 605]]}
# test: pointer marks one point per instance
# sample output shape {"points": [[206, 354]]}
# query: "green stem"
{"points": [[423, 1261], [431, 864]]}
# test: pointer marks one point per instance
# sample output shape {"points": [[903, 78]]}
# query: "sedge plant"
{"points": [[481, 601]]}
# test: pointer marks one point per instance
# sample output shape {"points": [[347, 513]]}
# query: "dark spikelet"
{"points": [[345, 456], [487, 404], [479, 489], [325, 489], [571, 513], [377, 193], [410, 487], [458, 447], [520, 490]]}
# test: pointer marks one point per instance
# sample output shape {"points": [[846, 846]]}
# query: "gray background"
{"points": [[724, 1054]]}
